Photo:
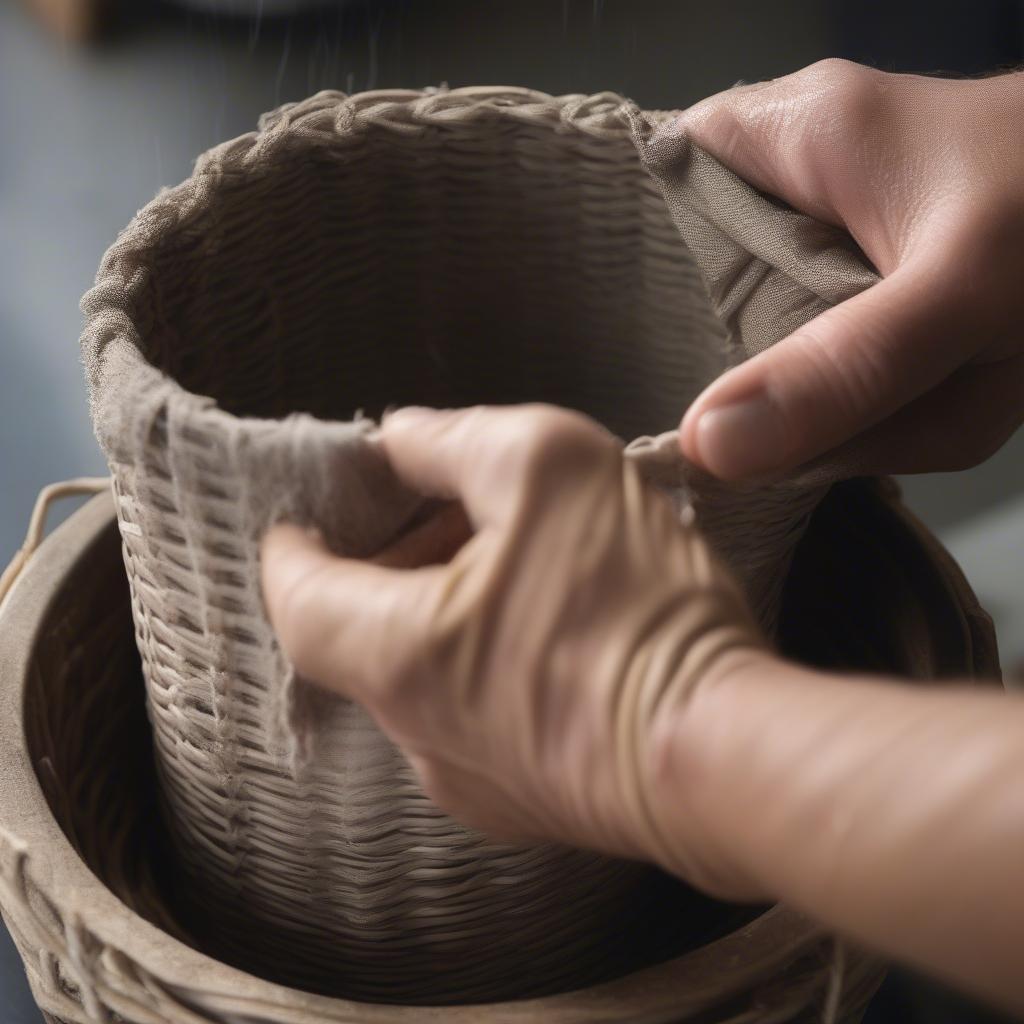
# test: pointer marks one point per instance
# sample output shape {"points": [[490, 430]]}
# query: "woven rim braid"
{"points": [[94, 905], [440, 248]]}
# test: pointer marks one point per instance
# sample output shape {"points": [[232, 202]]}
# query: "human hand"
{"points": [[534, 673], [572, 665], [925, 370]]}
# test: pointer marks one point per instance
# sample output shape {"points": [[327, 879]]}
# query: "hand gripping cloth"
{"points": [[358, 253]]}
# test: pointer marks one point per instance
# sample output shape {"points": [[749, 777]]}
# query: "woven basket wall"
{"points": [[482, 245]]}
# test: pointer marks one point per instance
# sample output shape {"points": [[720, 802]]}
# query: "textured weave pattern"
{"points": [[441, 248]]}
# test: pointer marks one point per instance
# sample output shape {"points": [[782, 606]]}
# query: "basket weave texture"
{"points": [[356, 253]]}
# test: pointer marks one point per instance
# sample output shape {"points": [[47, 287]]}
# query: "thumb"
{"points": [[841, 373]]}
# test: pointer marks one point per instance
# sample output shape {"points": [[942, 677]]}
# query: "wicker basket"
{"points": [[483, 245], [94, 904]]}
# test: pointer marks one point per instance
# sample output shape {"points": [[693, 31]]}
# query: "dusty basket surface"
{"points": [[96, 912]]}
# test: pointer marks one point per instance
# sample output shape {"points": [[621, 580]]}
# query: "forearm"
{"points": [[892, 813]]}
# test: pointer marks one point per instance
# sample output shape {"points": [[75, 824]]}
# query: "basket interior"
{"points": [[485, 260]]}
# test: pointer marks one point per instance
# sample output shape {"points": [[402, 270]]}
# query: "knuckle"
{"points": [[839, 98], [852, 92], [785, 131], [551, 439], [831, 69], [542, 425], [834, 75]]}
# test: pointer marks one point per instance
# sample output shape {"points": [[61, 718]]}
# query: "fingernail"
{"points": [[743, 439]]}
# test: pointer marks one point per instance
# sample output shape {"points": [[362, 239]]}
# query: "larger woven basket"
{"points": [[94, 904]]}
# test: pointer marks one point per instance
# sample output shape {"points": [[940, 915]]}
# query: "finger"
{"points": [[777, 136], [432, 542], [734, 127], [343, 623], [956, 426], [845, 371], [480, 455]]}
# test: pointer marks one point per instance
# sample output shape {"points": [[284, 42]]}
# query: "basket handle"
{"points": [[37, 524]]}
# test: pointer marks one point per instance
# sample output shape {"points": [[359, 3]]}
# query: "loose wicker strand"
{"points": [[37, 524]]}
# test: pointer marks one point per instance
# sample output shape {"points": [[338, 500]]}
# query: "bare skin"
{"points": [[551, 671], [925, 371]]}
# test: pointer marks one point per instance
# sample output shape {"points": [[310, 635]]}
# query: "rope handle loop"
{"points": [[37, 524]]}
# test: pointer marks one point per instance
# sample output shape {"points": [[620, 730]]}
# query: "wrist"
{"points": [[698, 745]]}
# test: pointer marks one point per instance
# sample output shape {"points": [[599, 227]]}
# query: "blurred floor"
{"points": [[90, 135]]}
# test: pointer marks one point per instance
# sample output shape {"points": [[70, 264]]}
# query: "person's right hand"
{"points": [[534, 662], [925, 370]]}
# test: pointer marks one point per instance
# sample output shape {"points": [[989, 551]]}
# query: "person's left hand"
{"points": [[536, 673]]}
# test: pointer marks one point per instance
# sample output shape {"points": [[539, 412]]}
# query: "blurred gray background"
{"points": [[90, 130]]}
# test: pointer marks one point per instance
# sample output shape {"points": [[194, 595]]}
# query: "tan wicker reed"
{"points": [[94, 904], [444, 248]]}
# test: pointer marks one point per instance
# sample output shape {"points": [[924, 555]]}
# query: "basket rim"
{"points": [[31, 838], [119, 376]]}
